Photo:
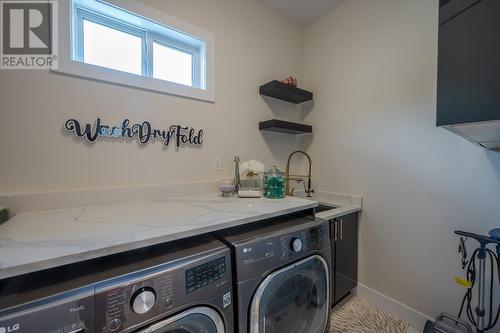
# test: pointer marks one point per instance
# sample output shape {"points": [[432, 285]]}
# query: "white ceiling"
{"points": [[303, 12]]}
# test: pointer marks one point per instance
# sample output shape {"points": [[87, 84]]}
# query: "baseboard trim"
{"points": [[416, 319]]}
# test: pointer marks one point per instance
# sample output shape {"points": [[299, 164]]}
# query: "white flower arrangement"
{"points": [[249, 169]]}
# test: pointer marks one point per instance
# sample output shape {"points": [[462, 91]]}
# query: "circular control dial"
{"points": [[115, 324], [143, 300], [296, 244]]}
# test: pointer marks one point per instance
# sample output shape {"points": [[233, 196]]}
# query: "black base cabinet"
{"points": [[344, 238]]}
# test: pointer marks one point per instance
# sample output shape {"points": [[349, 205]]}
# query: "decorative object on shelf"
{"points": [[227, 188], [287, 127], [251, 173], [143, 132], [290, 81], [284, 92], [274, 183]]}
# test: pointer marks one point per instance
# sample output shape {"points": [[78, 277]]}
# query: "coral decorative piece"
{"points": [[291, 81]]}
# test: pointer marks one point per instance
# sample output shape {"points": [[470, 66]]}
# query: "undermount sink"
{"points": [[322, 208]]}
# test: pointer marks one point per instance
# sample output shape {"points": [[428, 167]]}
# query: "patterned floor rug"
{"points": [[353, 315]]}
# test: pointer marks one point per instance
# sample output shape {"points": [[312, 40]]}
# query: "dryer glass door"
{"points": [[197, 320], [293, 299]]}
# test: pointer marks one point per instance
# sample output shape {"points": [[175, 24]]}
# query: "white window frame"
{"points": [[71, 55]]}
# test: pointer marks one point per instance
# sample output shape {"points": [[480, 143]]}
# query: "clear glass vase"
{"points": [[274, 183], [252, 182]]}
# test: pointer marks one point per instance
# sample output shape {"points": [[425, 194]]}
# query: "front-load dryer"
{"points": [[177, 287], [282, 275]]}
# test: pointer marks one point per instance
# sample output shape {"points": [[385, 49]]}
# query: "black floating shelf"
{"points": [[275, 125], [285, 92]]}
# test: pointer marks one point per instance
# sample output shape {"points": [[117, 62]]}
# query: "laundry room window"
{"points": [[106, 46], [131, 44], [172, 64]]}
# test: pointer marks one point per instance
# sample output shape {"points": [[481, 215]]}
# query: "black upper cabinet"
{"points": [[285, 92], [450, 8], [469, 69], [469, 65]]}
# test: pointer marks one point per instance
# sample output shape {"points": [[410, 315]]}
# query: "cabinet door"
{"points": [[469, 66], [450, 8], [346, 255]]}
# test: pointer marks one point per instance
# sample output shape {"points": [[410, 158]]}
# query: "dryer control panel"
{"points": [[269, 251]]}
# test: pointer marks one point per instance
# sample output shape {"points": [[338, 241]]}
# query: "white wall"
{"points": [[253, 45], [372, 67]]}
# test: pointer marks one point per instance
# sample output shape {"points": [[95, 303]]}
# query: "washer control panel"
{"points": [[122, 294], [119, 307], [143, 300], [126, 303], [205, 274]]}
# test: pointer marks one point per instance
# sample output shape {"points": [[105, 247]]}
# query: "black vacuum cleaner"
{"points": [[449, 324]]}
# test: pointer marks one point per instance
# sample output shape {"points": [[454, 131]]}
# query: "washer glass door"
{"points": [[293, 299], [196, 320]]}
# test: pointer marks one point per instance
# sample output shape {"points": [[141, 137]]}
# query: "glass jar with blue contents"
{"points": [[274, 183]]}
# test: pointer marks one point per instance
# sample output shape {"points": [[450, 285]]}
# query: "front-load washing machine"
{"points": [[178, 287], [282, 275]]}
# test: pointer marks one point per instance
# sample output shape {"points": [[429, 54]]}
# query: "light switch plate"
{"points": [[217, 163]]}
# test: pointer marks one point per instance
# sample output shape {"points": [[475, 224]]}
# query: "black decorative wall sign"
{"points": [[143, 132]]}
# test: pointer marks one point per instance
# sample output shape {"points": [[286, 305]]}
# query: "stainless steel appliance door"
{"points": [[196, 320], [293, 299]]}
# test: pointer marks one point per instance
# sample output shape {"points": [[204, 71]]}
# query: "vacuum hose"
{"points": [[482, 253], [495, 234]]}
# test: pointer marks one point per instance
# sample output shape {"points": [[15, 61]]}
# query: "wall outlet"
{"points": [[217, 163]]}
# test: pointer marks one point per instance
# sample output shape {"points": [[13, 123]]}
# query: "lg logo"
{"points": [[9, 329]]}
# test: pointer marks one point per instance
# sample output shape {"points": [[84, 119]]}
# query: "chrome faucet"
{"points": [[298, 178]]}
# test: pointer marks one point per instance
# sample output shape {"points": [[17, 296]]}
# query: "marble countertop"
{"points": [[39, 240]]}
